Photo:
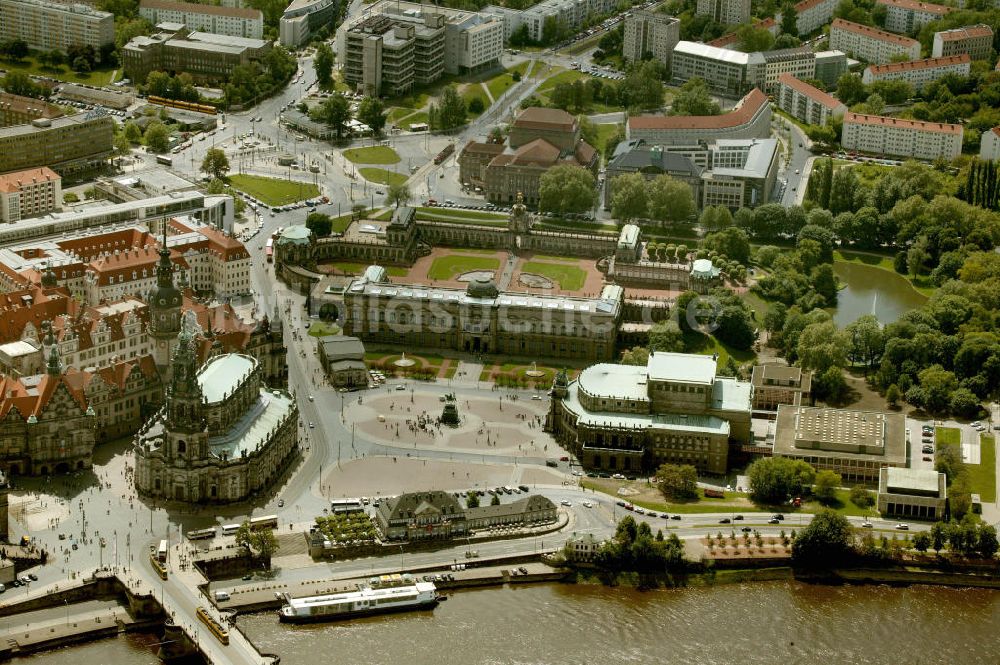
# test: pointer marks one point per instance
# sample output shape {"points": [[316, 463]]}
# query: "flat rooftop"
{"points": [[681, 367], [823, 432], [924, 481], [615, 381], [674, 422]]}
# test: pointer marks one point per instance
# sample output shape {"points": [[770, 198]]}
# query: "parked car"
{"points": [[725, 520]]}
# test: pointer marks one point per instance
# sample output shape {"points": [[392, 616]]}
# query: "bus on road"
{"points": [[346, 505], [201, 534], [265, 522], [269, 250], [163, 159], [230, 529], [161, 552]]}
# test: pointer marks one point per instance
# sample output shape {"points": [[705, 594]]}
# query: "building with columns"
{"points": [[222, 436]]}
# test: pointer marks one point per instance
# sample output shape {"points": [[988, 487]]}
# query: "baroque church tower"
{"points": [[186, 431], [164, 310]]}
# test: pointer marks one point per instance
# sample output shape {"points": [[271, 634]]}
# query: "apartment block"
{"points": [[730, 12], [749, 119], [67, 145], [908, 16], [798, 62], [651, 32], [806, 103], [811, 15], [304, 17], [51, 26], [29, 193], [989, 145], [729, 73], [207, 57], [870, 44], [919, 72], [976, 40], [829, 66], [18, 110], [883, 135], [400, 44], [572, 14], [231, 21]]}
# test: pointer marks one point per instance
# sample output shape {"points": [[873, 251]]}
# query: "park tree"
{"points": [[789, 20], [260, 542], [323, 64], [730, 242], [450, 111], [215, 163], [157, 137], [851, 89], [773, 480], [826, 542], [867, 342], [862, 497], [751, 39], [939, 536], [372, 112], [319, 224], [821, 346], [922, 541], [715, 218], [567, 189], [495, 501], [335, 111], [892, 395], [122, 145], [472, 499], [666, 336], [132, 132], [825, 487], [628, 197], [694, 99], [669, 200], [19, 83], [987, 543], [398, 194], [678, 482]]}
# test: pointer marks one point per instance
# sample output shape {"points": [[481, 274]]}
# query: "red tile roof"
{"points": [[809, 91], [967, 32], [886, 121], [12, 182], [926, 63], [745, 110], [536, 117], [872, 33]]}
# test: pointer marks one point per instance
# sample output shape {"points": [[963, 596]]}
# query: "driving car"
{"points": [[312, 425], [773, 521], [903, 527], [725, 520]]}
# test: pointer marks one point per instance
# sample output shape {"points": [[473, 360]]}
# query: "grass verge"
{"points": [[273, 191], [381, 176], [984, 474], [378, 154]]}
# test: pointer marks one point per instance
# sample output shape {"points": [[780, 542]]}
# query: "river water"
{"points": [[553, 624], [872, 290]]}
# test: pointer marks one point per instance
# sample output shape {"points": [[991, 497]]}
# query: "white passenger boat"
{"points": [[363, 602]]}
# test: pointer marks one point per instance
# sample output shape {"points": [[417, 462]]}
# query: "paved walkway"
{"points": [[467, 374]]}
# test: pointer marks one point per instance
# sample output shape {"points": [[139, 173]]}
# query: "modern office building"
{"points": [[18, 110], [742, 175], [870, 44], [855, 444], [302, 18], [799, 62], [728, 12], [29, 193], [976, 40], [231, 21], [223, 436], [829, 66], [779, 384], [918, 73], [397, 45], [882, 135], [989, 144], [650, 32], [67, 145], [807, 103], [726, 72], [481, 318], [54, 26], [749, 119], [633, 418], [571, 14], [918, 493], [208, 58], [908, 16]]}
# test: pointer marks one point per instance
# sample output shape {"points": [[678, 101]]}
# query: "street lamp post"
{"points": [[400, 558]]}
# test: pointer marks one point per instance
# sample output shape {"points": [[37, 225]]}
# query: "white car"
{"points": [[588, 504], [903, 527], [311, 398], [566, 502]]}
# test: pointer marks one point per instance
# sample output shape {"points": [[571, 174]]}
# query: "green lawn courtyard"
{"points": [[322, 329], [381, 176], [358, 268], [475, 91], [450, 267], [273, 191], [568, 277], [98, 78], [378, 154]]}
